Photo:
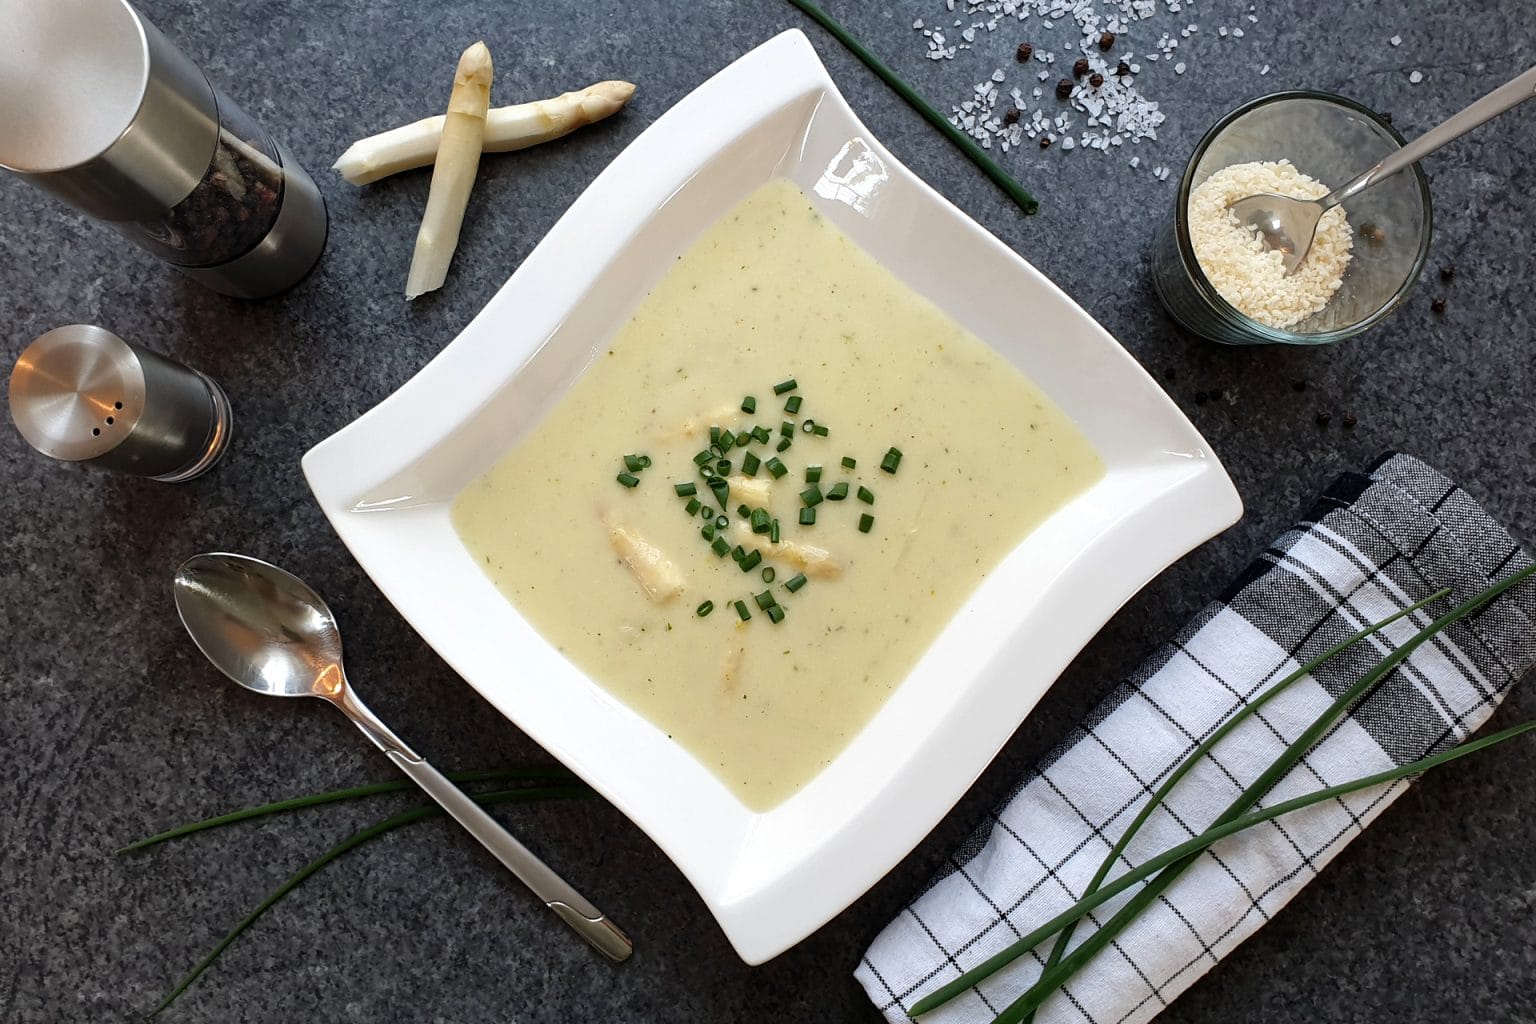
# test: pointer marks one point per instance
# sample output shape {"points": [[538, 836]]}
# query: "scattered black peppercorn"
{"points": [[1122, 69], [1438, 305], [1447, 272], [1013, 115], [1106, 41], [1080, 67], [1201, 397], [1350, 421], [1064, 88], [1025, 52], [1045, 142], [1298, 385], [1095, 79], [1373, 233], [1324, 417]]}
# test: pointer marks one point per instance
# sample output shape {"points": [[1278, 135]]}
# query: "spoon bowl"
{"points": [[262, 627]]}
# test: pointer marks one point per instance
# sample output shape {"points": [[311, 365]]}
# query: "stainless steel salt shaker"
{"points": [[103, 111], [81, 394]]}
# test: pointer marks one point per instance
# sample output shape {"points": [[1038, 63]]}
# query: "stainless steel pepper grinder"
{"points": [[81, 394], [104, 112]]}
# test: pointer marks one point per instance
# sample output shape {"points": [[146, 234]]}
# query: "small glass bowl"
{"points": [[1331, 139]]}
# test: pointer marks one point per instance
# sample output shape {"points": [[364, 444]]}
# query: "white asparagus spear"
{"points": [[808, 558], [753, 490], [654, 571], [454, 173], [506, 129]]}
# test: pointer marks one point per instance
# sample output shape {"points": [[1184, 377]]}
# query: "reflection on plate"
{"points": [[386, 482]]}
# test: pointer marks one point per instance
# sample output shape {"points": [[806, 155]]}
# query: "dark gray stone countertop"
{"points": [[115, 727]]}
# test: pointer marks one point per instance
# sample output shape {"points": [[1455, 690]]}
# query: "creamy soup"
{"points": [[775, 310]]}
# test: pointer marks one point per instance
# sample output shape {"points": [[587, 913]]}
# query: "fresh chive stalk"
{"points": [[749, 405], [866, 522], [792, 404], [765, 600], [785, 387], [821, 430], [523, 795], [891, 461], [749, 464], [720, 546], [628, 479], [635, 463], [808, 517], [784, 445], [752, 560], [743, 611], [795, 582], [813, 474], [811, 496], [704, 609], [693, 506], [866, 495], [686, 490], [809, 426], [1055, 976], [964, 142], [768, 574], [775, 613], [787, 428], [760, 520], [849, 462], [773, 532], [839, 491], [776, 467]]}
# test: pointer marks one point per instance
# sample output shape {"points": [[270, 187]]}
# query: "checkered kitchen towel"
{"points": [[1373, 544]]}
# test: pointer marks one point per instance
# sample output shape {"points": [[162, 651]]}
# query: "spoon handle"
{"points": [[557, 894], [1518, 90]]}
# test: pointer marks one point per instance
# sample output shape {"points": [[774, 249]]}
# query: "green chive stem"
{"points": [[353, 841]]}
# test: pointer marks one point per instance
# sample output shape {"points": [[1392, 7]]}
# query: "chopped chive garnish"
{"points": [[741, 609], [808, 517], [813, 474], [811, 496], [720, 546], [645, 462], [760, 520], [749, 405], [769, 574], [891, 461], [704, 609], [795, 582], [866, 495], [714, 433], [707, 531], [717, 450], [727, 440], [702, 458], [808, 426], [693, 506], [706, 513], [821, 430], [787, 428], [775, 614], [628, 479], [776, 467], [635, 463], [738, 552], [784, 444], [761, 434], [773, 532], [722, 492], [785, 387], [749, 464], [765, 600], [792, 404], [752, 561], [721, 522], [687, 490], [839, 491], [849, 462], [744, 511], [723, 467], [865, 522]]}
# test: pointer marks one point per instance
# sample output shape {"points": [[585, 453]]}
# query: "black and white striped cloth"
{"points": [[1373, 544]]}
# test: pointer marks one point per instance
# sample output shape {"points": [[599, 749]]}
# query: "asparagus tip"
{"points": [[475, 65]]}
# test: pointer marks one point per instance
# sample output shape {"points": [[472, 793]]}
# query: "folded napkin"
{"points": [[1372, 545]]}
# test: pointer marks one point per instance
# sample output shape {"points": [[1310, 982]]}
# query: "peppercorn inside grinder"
{"points": [[81, 394], [107, 114]]}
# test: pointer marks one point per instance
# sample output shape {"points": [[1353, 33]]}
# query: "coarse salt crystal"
{"points": [[917, 23], [1396, 40], [1067, 143], [1178, 68], [1238, 33], [1264, 70], [1416, 77], [1222, 31]]}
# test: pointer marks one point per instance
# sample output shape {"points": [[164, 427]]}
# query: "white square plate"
{"points": [[387, 481]]}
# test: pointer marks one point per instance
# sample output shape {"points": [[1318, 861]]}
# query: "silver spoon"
{"points": [[269, 632], [1287, 225]]}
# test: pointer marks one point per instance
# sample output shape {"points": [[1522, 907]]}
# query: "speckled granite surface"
{"points": [[114, 726]]}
